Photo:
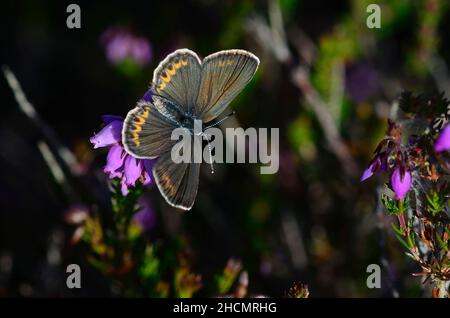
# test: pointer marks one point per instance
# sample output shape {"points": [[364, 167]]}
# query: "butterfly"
{"points": [[185, 89]]}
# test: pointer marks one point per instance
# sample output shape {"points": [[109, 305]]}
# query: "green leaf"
{"points": [[441, 242], [403, 242], [398, 229], [435, 203]]}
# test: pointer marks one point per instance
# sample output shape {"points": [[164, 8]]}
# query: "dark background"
{"points": [[311, 222]]}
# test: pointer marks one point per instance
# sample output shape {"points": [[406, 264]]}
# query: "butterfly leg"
{"points": [[208, 138]]}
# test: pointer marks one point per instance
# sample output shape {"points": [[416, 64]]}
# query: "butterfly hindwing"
{"points": [[147, 135], [177, 78], [146, 132], [177, 182], [224, 76]]}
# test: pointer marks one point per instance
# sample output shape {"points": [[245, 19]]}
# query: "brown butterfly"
{"points": [[185, 89]]}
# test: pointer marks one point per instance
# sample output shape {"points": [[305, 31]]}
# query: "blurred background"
{"points": [[326, 80]]}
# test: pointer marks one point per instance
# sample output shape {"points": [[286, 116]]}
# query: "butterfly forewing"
{"points": [[224, 76], [178, 78]]}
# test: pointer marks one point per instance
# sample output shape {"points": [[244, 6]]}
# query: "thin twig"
{"points": [[382, 243], [277, 31], [62, 152], [337, 89], [263, 33], [294, 240], [300, 78], [439, 71], [305, 47], [55, 168]]}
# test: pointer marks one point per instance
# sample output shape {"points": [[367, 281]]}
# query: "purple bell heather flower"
{"points": [[116, 48], [443, 141], [373, 167], [109, 135], [114, 161], [148, 167], [120, 44], [401, 183], [361, 81], [123, 187], [140, 50], [107, 119], [120, 164], [148, 96], [146, 216], [368, 172], [133, 170]]}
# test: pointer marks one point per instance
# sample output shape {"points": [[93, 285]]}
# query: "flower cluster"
{"points": [[120, 164], [392, 156], [414, 153], [121, 45], [443, 141], [399, 159]]}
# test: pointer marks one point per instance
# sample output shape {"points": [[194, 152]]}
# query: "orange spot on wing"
{"points": [[136, 139], [137, 128], [171, 71], [139, 120], [177, 65], [166, 78], [137, 124], [145, 113]]}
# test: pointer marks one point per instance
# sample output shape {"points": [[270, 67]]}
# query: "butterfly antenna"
{"points": [[222, 120]]}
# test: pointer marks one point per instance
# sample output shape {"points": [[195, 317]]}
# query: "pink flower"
{"points": [[401, 182], [145, 218], [374, 166], [443, 141], [121, 45], [119, 164], [368, 172]]}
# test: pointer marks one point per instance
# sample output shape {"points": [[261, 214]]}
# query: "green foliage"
{"points": [[302, 137], [340, 46], [232, 34], [394, 15], [289, 7], [436, 202], [311, 182], [128, 67], [427, 40], [394, 207], [298, 290], [227, 278], [150, 267], [424, 106], [423, 226], [403, 237]]}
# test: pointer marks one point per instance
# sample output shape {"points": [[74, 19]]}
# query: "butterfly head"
{"points": [[187, 121]]}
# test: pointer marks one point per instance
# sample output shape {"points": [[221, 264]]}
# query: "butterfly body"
{"points": [[186, 89]]}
